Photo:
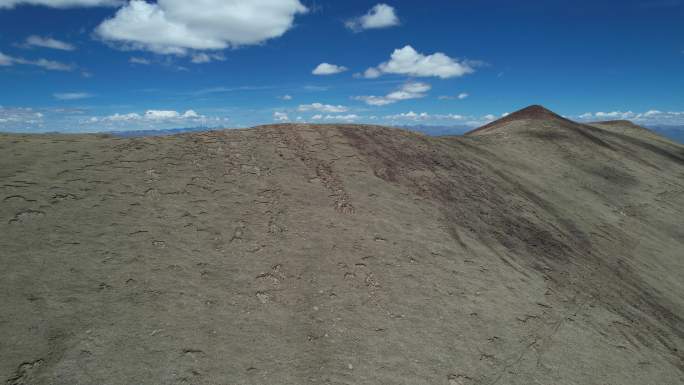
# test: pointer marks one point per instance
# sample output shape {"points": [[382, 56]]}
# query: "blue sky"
{"points": [[97, 65]]}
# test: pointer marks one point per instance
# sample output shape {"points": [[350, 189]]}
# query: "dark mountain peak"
{"points": [[533, 112]]}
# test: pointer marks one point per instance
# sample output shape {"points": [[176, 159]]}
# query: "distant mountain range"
{"points": [[675, 133], [437, 130]]}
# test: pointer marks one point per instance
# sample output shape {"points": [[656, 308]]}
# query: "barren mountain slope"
{"points": [[549, 252]]}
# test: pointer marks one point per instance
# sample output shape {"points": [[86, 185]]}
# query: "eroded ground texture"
{"points": [[536, 252]]}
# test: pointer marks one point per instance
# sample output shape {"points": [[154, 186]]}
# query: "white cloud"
{"points": [[423, 116], [372, 73], [411, 90], [6, 60], [322, 107], [117, 118], [177, 26], [49, 65], [201, 58], [380, 16], [479, 121], [454, 116], [655, 117], [450, 118], [19, 118], [339, 118], [170, 114], [611, 115], [409, 116], [48, 42], [347, 118], [72, 95], [139, 60], [280, 116], [408, 61], [615, 115], [61, 3], [161, 114], [461, 96], [328, 69], [78, 120], [285, 97], [153, 116], [648, 118], [373, 100]]}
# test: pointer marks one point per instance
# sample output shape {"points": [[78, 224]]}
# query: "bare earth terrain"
{"points": [[535, 250]]}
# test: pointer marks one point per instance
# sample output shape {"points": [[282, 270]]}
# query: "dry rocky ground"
{"points": [[533, 251]]}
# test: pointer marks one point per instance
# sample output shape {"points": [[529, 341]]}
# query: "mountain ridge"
{"points": [[343, 253]]}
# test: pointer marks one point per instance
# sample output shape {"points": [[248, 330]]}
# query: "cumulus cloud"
{"points": [[371, 73], [12, 118], [338, 118], [61, 3], [409, 115], [380, 16], [615, 115], [328, 69], [169, 114], [179, 26], [149, 120], [410, 90], [285, 97], [117, 118], [408, 61], [449, 118], [48, 42], [611, 115], [78, 120], [72, 95], [280, 116], [322, 108], [152, 116], [6, 60], [649, 118], [423, 116]]}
